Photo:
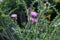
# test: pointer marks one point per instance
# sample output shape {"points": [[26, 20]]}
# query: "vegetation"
{"points": [[43, 22]]}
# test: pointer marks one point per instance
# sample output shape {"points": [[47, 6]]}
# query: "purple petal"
{"points": [[33, 13], [33, 19], [14, 15]]}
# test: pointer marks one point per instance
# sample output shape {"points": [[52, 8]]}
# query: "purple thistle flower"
{"points": [[33, 13], [32, 19], [13, 15]]}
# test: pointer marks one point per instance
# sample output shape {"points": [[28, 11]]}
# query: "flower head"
{"points": [[33, 13], [32, 19], [13, 15]]}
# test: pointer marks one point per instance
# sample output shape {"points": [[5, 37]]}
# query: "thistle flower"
{"points": [[33, 13], [13, 15], [32, 19]]}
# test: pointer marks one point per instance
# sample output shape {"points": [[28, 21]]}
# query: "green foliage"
{"points": [[44, 29]]}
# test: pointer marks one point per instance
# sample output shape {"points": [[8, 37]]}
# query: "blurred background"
{"points": [[29, 19]]}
